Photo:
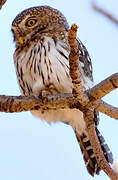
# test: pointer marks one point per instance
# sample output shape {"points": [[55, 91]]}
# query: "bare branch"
{"points": [[58, 101], [108, 109], [74, 64], [89, 108], [2, 2], [28, 103], [104, 13], [104, 87], [103, 164]]}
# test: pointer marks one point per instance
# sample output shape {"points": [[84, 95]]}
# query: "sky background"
{"points": [[30, 148]]}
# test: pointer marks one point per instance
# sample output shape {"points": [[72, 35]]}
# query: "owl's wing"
{"points": [[86, 65], [85, 60]]}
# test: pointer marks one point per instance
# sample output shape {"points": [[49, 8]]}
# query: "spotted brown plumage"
{"points": [[42, 66]]}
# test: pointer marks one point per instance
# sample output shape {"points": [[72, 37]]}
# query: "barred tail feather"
{"points": [[107, 153], [88, 154]]}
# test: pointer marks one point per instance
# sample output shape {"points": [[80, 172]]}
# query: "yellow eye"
{"points": [[31, 22]]}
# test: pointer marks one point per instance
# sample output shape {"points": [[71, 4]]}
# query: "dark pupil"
{"points": [[31, 22]]}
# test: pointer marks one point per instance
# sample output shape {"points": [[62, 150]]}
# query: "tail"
{"points": [[88, 154]]}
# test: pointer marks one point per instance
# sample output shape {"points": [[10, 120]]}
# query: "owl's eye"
{"points": [[31, 22]]}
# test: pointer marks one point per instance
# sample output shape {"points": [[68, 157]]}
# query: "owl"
{"points": [[41, 61]]}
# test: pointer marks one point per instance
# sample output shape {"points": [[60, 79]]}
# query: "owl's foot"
{"points": [[45, 93], [49, 90]]}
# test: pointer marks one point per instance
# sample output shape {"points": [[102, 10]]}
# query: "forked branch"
{"points": [[89, 107]]}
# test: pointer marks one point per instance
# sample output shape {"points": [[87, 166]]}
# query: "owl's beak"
{"points": [[21, 40]]}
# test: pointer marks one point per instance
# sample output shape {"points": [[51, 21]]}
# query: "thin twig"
{"points": [[2, 2], [104, 13]]}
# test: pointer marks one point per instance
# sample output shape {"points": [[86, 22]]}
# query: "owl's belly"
{"points": [[72, 116]]}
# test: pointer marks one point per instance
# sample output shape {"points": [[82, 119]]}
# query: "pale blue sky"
{"points": [[32, 149]]}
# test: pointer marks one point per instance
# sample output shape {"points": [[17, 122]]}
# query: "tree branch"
{"points": [[90, 107], [13, 104], [74, 64], [108, 109], [104, 87], [27, 103], [105, 13], [59, 101], [103, 164], [2, 2]]}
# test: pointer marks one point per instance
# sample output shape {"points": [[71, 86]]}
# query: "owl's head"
{"points": [[32, 23]]}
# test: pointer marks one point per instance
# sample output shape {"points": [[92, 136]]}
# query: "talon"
{"points": [[45, 93]]}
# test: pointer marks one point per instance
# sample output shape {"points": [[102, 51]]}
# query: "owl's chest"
{"points": [[42, 65]]}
